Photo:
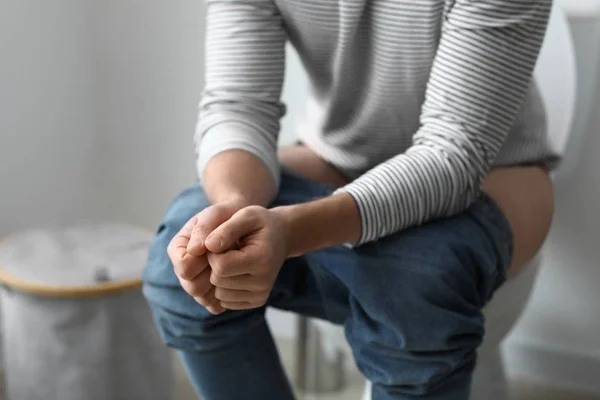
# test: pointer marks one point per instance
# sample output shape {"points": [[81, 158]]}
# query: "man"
{"points": [[420, 183]]}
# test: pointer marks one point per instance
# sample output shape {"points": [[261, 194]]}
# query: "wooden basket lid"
{"points": [[78, 261]]}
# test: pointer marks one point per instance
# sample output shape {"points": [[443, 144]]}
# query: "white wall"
{"points": [[47, 114], [150, 78]]}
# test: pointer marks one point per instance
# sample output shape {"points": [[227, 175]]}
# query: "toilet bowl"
{"points": [[556, 76]]}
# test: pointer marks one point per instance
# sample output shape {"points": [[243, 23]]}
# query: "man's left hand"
{"points": [[245, 254]]}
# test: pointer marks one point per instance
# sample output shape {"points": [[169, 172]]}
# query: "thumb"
{"points": [[227, 235]]}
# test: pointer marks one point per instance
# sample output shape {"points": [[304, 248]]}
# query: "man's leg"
{"points": [[227, 356], [232, 355], [416, 300]]}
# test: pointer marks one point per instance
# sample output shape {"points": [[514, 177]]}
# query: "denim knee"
{"points": [[418, 338], [159, 269], [417, 300], [182, 322], [186, 325]]}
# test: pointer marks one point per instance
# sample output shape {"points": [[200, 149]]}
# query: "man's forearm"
{"points": [[238, 176], [327, 222]]}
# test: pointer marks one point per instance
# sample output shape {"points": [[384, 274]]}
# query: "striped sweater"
{"points": [[413, 100]]}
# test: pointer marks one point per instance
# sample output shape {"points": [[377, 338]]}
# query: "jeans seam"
{"points": [[494, 212], [327, 309], [500, 233]]}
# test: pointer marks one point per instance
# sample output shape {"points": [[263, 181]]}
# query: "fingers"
{"points": [[207, 221], [239, 225], [237, 306], [185, 265], [189, 267], [210, 302], [206, 240], [203, 291], [199, 286], [240, 282], [241, 296], [178, 246], [187, 249], [236, 262]]}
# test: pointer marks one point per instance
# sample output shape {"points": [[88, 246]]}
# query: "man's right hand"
{"points": [[188, 253]]}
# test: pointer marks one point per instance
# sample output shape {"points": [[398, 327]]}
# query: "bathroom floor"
{"points": [[520, 390]]}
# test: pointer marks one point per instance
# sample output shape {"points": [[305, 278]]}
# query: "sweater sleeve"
{"points": [[479, 79], [245, 56]]}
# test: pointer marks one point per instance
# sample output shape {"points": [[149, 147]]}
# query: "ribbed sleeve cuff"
{"points": [[367, 211], [237, 136]]}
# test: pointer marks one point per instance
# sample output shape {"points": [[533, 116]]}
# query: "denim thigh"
{"points": [[411, 303], [414, 306]]}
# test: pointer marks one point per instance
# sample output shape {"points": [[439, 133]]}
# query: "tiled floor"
{"points": [[519, 390]]}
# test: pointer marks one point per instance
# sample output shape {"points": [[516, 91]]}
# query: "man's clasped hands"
{"points": [[228, 255]]}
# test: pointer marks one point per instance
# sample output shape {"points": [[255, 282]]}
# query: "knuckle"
{"points": [[252, 212], [220, 211], [215, 279], [199, 228], [207, 217], [220, 207], [186, 270], [246, 212], [221, 294], [184, 273], [218, 269], [256, 209]]}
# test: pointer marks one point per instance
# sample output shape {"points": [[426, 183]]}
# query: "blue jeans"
{"points": [[411, 304]]}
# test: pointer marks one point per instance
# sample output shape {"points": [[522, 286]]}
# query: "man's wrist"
{"points": [[288, 217], [328, 222], [239, 177]]}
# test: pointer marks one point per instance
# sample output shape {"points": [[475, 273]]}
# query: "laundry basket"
{"points": [[75, 324]]}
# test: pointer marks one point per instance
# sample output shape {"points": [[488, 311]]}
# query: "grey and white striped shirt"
{"points": [[413, 100]]}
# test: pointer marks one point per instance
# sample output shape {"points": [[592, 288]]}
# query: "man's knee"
{"points": [[186, 325], [417, 342], [159, 269], [425, 305], [417, 313], [176, 313], [440, 270]]}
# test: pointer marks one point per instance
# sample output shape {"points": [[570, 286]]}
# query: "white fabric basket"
{"points": [[75, 324]]}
